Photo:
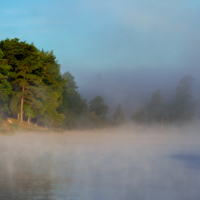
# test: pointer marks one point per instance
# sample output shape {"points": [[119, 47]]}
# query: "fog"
{"points": [[128, 162], [133, 88], [122, 51], [136, 46]]}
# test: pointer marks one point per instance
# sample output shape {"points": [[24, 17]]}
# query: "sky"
{"points": [[122, 50]]}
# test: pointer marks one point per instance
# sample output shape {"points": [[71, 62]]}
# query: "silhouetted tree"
{"points": [[99, 108], [183, 107]]}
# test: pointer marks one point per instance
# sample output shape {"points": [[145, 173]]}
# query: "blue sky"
{"points": [[105, 36], [106, 33]]}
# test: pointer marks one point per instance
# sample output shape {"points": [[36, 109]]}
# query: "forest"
{"points": [[32, 89]]}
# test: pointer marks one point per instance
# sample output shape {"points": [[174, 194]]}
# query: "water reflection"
{"points": [[189, 160], [99, 167], [28, 181], [25, 176]]}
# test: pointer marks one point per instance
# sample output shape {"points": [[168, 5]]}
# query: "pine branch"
{"points": [[27, 97], [27, 101]]}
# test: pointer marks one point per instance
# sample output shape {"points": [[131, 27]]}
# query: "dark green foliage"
{"points": [[99, 108], [31, 84], [73, 106], [118, 116], [53, 89], [24, 61], [29, 112], [139, 116], [35, 80], [5, 86], [71, 83], [94, 121], [32, 87], [51, 117]]}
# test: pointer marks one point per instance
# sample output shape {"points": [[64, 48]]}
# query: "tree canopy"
{"points": [[97, 106], [32, 88], [5, 86], [73, 106], [183, 106], [35, 80]]}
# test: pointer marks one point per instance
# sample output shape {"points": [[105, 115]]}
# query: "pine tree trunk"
{"points": [[21, 114], [28, 119], [22, 104]]}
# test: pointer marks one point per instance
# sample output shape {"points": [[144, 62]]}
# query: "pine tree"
{"points": [[73, 106], [25, 62], [99, 108], [53, 84], [183, 107], [5, 86]]}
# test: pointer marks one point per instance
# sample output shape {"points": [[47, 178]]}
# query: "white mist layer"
{"points": [[129, 162]]}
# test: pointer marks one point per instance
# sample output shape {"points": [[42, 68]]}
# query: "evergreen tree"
{"points": [[94, 121], [53, 89], [5, 86], [99, 108], [73, 106], [71, 83], [29, 112], [24, 61], [183, 107], [118, 116], [36, 82]]}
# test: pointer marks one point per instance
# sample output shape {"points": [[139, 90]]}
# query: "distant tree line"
{"points": [[181, 109], [33, 89]]}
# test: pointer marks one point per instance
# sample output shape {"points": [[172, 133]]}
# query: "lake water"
{"points": [[128, 163]]}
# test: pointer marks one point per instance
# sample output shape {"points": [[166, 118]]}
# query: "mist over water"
{"points": [[129, 162]]}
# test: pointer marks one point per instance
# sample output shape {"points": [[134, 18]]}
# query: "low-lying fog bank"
{"points": [[129, 162]]}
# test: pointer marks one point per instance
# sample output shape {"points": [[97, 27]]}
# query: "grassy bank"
{"points": [[11, 126]]}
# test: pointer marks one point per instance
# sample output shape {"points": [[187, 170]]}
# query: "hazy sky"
{"points": [[123, 47]]}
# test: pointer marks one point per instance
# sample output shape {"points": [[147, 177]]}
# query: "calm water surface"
{"points": [[125, 163]]}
